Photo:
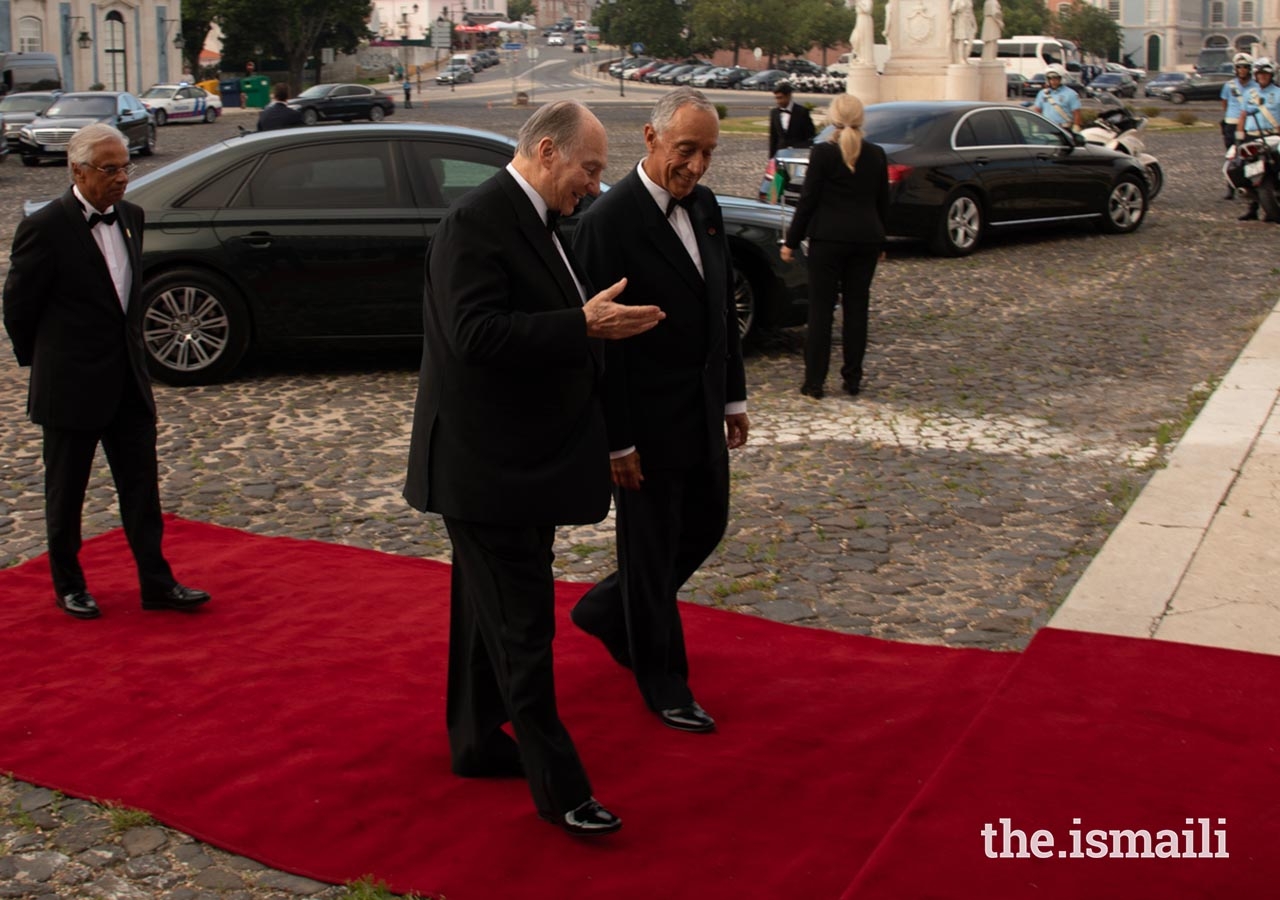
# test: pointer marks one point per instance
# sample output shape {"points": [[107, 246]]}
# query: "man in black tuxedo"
{"points": [[790, 124], [509, 441], [72, 307], [670, 396], [278, 113]]}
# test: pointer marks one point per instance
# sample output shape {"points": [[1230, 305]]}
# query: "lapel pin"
{"points": [[711, 230]]}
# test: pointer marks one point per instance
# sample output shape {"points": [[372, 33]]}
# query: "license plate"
{"points": [[1254, 169]]}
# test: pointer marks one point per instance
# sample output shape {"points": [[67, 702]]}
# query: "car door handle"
{"points": [[259, 239], [981, 161]]}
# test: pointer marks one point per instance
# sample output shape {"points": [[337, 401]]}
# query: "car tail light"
{"points": [[897, 173]]}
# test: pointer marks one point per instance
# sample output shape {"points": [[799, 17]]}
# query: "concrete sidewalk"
{"points": [[1197, 557]]}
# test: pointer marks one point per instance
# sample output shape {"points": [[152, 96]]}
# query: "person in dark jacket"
{"points": [[277, 113], [842, 211]]}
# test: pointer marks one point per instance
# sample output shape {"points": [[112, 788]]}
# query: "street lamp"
{"points": [[83, 41], [179, 42]]}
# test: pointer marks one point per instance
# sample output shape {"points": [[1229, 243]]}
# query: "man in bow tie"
{"points": [[72, 307], [675, 397], [508, 442]]}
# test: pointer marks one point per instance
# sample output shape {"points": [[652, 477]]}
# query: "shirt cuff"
{"points": [[618, 454], [737, 408]]}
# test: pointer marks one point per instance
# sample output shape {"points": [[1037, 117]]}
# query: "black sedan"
{"points": [[342, 103], [764, 81], [456, 75], [1115, 84], [316, 237], [958, 170], [47, 135], [20, 109], [1197, 87]]}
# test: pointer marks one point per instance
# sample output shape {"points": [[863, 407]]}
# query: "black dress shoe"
{"points": [[1230, 195], [852, 389], [1250, 214], [178, 597], [813, 390], [687, 718], [587, 820], [79, 604]]}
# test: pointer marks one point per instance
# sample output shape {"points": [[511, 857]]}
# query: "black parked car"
{"points": [[20, 109], [1116, 84], [1162, 82], [47, 135], [764, 81], [731, 77], [311, 237], [960, 169], [342, 102], [1197, 87]]}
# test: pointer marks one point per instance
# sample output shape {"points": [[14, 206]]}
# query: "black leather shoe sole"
{"points": [[180, 598], [688, 718], [588, 820]]}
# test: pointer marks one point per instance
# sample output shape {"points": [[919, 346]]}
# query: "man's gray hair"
{"points": [[561, 121], [80, 150], [665, 109]]}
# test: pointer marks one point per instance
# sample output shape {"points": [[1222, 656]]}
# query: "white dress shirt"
{"points": [[540, 206], [110, 240]]}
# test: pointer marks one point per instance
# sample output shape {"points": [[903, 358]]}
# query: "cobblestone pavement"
{"points": [[1014, 402]]}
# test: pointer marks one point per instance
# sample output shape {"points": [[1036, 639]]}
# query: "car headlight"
{"points": [[27, 132]]}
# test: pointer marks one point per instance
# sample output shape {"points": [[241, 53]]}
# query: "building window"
{"points": [[1154, 9], [115, 57], [30, 35], [1113, 9], [1246, 12], [1217, 12]]}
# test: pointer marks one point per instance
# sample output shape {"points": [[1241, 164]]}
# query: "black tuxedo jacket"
{"points": [[838, 205], [799, 131], [508, 426], [666, 389], [278, 115], [61, 311]]}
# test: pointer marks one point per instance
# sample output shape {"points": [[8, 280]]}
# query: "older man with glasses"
{"points": [[72, 307]]}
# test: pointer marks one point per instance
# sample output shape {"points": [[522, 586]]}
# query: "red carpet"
{"points": [[1120, 734], [298, 719]]}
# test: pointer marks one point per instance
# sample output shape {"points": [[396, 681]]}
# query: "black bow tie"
{"points": [[95, 218], [685, 201], [552, 218]]}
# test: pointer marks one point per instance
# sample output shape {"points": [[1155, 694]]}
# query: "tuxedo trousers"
{"points": [[665, 531], [129, 441], [501, 626]]}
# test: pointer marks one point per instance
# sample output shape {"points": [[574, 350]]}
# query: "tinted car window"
{"points": [[347, 91], [901, 126], [218, 192], [324, 176], [985, 128], [454, 169], [83, 106], [1035, 130]]}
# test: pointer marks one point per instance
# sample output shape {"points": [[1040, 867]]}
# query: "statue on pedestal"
{"points": [[964, 27], [992, 28], [863, 39]]}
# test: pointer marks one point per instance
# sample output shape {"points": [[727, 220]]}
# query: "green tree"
{"points": [[197, 22], [825, 24], [1025, 17], [1092, 29], [658, 24], [518, 9], [291, 30], [725, 24]]}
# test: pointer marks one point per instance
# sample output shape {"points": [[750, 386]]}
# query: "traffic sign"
{"points": [[513, 45]]}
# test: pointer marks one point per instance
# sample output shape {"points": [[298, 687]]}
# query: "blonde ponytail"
{"points": [[846, 114]]}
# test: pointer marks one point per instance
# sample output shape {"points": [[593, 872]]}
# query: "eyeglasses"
{"points": [[113, 171]]}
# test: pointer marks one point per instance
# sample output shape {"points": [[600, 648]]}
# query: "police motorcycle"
{"points": [[1116, 127], [1255, 163]]}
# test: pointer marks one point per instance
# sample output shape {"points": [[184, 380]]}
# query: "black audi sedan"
{"points": [[47, 135], [317, 237], [342, 103], [960, 170]]}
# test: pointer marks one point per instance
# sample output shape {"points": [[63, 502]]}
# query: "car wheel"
{"points": [[1155, 179], [195, 327], [149, 147], [1267, 198], [960, 228], [309, 117], [376, 114], [745, 300], [1177, 97], [30, 161], [210, 115], [1126, 206], [161, 117]]}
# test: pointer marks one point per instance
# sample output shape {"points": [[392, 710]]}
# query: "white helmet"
{"points": [[1055, 70], [1242, 59], [1264, 64]]}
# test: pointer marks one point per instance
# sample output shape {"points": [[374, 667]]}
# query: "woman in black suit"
{"points": [[842, 211]]}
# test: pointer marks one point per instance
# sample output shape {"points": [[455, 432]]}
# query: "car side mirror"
{"points": [[1078, 139]]}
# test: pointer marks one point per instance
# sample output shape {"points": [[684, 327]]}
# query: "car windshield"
{"points": [[159, 93], [82, 106], [319, 90], [1106, 79], [897, 126], [23, 104]]}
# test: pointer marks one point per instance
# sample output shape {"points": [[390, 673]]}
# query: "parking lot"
{"points": [[1015, 401]]}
